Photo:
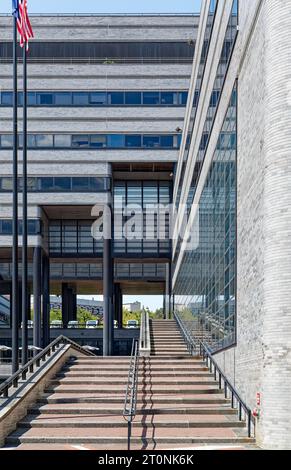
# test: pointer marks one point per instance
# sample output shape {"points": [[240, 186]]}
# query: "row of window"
{"points": [[48, 184], [101, 98], [95, 141], [33, 227]]}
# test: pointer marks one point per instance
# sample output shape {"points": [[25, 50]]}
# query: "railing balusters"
{"points": [[207, 357], [130, 401]]}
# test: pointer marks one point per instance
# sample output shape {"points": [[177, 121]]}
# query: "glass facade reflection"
{"points": [[205, 290]]}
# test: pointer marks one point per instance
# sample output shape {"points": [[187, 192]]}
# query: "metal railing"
{"points": [[192, 344], [145, 339], [129, 411], [229, 390], [35, 362]]}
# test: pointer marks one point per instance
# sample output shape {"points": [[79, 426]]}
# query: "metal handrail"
{"points": [[35, 362], [220, 376], [130, 402], [192, 345], [144, 340]]}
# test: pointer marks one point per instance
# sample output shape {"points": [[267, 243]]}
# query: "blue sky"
{"points": [[109, 6]]}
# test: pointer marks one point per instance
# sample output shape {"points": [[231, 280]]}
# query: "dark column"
{"points": [[65, 304], [108, 298], [46, 301], [118, 305], [73, 304], [37, 288], [29, 303], [167, 297]]}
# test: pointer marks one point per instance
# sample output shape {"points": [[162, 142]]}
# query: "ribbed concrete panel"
{"points": [[85, 156]]}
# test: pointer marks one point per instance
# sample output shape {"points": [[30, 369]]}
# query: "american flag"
{"points": [[19, 10]]}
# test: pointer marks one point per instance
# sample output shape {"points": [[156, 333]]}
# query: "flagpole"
{"points": [[24, 219], [15, 285]]}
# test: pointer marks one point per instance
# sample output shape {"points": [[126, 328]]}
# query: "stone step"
{"points": [[171, 375], [159, 421], [153, 381], [115, 409], [174, 400], [149, 388], [118, 435]]}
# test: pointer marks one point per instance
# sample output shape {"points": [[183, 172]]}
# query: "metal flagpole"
{"points": [[24, 218], [15, 295]]}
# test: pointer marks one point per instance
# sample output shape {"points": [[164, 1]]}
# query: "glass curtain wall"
{"points": [[205, 290]]}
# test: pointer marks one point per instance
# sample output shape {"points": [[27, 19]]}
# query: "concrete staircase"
{"points": [[179, 404]]}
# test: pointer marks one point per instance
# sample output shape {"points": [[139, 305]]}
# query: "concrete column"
{"points": [[65, 304], [73, 304], [108, 298], [274, 424], [168, 289], [46, 301], [37, 289], [118, 305]]}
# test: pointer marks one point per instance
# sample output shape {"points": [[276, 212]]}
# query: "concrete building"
{"points": [[119, 112], [133, 307], [93, 306], [236, 175], [107, 97]]}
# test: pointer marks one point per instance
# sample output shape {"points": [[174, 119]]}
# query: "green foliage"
{"points": [[83, 315], [55, 314]]}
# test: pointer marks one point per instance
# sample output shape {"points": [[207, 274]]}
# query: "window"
{"points": [[98, 98], [80, 141], [115, 140], [98, 141], [6, 98], [46, 184], [63, 99], [183, 97], [168, 98], [62, 184], [80, 184], [6, 141], [80, 99], [63, 140], [151, 141], [31, 141], [116, 98], [6, 184], [151, 98], [132, 141], [43, 140], [6, 227], [167, 141], [133, 98], [31, 99], [44, 99]]}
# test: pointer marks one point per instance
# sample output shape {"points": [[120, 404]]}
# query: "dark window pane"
{"points": [[46, 184], [44, 98], [98, 141], [31, 140], [151, 97], [43, 140], [31, 99], [6, 228], [80, 99], [7, 98], [167, 141], [133, 141], [6, 184], [168, 98], [98, 98], [80, 184], [63, 99], [151, 141], [6, 141], [116, 98], [115, 141], [80, 141], [63, 140], [132, 98], [184, 97], [62, 184], [97, 184]]}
